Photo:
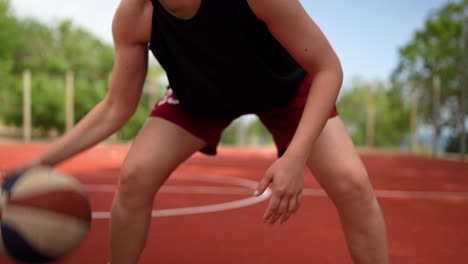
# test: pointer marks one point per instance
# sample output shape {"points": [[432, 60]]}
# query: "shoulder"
{"points": [[132, 22], [271, 11]]}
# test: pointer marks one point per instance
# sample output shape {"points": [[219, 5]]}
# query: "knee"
{"points": [[353, 186], [135, 186]]}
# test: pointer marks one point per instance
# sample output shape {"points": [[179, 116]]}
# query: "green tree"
{"points": [[47, 104], [391, 113], [435, 52], [258, 133], [130, 130], [8, 38], [50, 51], [82, 52], [8, 45], [36, 48]]}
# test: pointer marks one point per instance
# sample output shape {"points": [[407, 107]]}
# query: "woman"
{"points": [[225, 59]]}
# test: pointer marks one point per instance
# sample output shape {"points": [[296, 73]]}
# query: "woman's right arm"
{"points": [[131, 30]]}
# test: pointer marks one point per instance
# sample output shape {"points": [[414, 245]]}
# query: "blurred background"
{"points": [[405, 63]]}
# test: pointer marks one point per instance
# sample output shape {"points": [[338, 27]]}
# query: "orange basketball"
{"points": [[44, 215]]}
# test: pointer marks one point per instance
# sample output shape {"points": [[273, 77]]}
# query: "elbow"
{"points": [[332, 71], [337, 70], [340, 76], [329, 65], [119, 112]]}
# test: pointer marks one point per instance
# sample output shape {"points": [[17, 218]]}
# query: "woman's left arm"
{"points": [[290, 24]]}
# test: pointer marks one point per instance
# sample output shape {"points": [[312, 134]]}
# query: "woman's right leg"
{"points": [[157, 150]]}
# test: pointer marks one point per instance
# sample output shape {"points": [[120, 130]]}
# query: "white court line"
{"points": [[399, 194], [245, 188], [306, 192], [421, 194], [103, 188], [246, 184]]}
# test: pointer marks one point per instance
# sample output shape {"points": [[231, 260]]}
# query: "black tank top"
{"points": [[223, 62]]}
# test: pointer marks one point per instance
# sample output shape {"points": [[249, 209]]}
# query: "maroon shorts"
{"points": [[281, 122]]}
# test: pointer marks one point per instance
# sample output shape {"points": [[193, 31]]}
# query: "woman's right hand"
{"points": [[7, 175]]}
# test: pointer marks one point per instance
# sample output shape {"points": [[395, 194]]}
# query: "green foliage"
{"points": [[47, 104], [246, 130], [48, 99], [391, 113], [49, 51], [392, 117], [8, 42], [435, 50], [130, 130], [352, 110], [11, 101], [229, 136], [87, 95], [258, 132]]}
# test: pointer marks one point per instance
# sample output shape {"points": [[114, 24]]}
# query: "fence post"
{"points": [[27, 126]]}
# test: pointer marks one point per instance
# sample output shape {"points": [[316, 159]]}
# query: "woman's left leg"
{"points": [[338, 168]]}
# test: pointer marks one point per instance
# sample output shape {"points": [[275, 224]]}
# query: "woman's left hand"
{"points": [[286, 176]]}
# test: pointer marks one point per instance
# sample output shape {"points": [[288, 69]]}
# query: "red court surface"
{"points": [[205, 213]]}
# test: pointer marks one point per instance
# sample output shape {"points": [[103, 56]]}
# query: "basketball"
{"points": [[44, 215]]}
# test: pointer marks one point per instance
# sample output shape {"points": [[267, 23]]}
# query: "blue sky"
{"points": [[366, 34]]}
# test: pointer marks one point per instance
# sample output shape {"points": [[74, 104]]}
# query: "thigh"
{"points": [[282, 121], [207, 129], [334, 160], [157, 150]]}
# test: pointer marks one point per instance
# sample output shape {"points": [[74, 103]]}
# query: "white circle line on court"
{"points": [[246, 187], [306, 192], [178, 189], [400, 194], [245, 202]]}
